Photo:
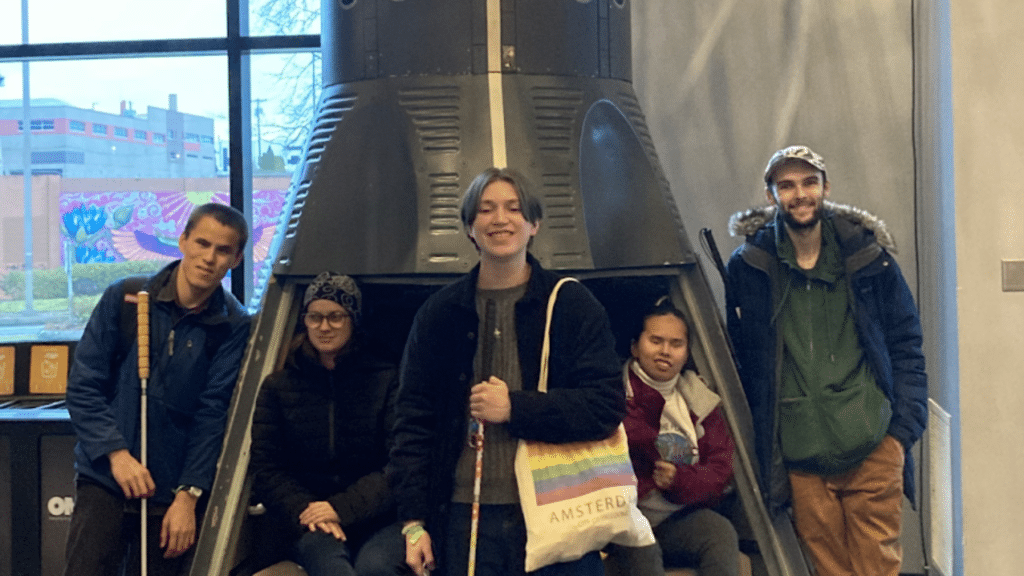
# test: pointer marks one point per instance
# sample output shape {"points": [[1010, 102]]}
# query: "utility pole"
{"points": [[259, 135], [26, 163]]}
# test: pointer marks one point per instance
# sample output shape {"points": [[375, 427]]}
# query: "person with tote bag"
{"points": [[448, 394]]}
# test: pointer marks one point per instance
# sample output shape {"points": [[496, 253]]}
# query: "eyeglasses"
{"points": [[334, 319]]}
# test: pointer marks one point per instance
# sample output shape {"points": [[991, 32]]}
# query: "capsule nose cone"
{"points": [[410, 116]]}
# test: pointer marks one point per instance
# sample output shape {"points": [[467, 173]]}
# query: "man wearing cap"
{"points": [[828, 347]]}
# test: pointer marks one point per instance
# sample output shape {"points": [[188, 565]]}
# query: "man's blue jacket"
{"points": [[887, 321], [194, 365]]}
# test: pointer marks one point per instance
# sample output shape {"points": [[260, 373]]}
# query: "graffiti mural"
{"points": [[145, 225]]}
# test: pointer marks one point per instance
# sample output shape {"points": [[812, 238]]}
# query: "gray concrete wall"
{"points": [[988, 155]]}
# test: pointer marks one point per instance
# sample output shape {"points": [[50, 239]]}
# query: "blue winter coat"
{"points": [[887, 321], [189, 389]]}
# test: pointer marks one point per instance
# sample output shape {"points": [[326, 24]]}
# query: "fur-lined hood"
{"points": [[747, 222]]}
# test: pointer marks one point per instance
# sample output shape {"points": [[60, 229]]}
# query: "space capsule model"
{"points": [[420, 96]]}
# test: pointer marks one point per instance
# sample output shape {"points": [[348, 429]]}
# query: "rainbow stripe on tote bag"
{"points": [[566, 471], [578, 497]]}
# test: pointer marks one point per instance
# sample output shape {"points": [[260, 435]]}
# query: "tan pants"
{"points": [[850, 523]]}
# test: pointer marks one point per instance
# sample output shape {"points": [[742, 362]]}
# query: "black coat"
{"points": [[585, 398], [324, 435]]}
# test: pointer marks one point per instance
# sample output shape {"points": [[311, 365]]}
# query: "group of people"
{"points": [[371, 469]]}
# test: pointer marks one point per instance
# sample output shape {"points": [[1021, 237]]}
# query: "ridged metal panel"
{"points": [[555, 112], [331, 112], [434, 112]]}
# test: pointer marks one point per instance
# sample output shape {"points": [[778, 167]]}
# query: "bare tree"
{"points": [[296, 85]]}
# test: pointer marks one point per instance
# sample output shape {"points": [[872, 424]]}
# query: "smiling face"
{"points": [[500, 230], [208, 251], [663, 347], [800, 192], [329, 327]]}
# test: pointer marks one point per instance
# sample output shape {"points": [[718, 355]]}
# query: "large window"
{"points": [[10, 22], [104, 200]]}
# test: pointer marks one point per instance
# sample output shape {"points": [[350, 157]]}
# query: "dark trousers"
{"points": [[103, 538], [382, 554], [699, 538], [501, 546]]}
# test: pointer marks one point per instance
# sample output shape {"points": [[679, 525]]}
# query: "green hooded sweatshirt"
{"points": [[832, 413]]}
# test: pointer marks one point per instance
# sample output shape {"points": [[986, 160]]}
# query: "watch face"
{"points": [[192, 490]]}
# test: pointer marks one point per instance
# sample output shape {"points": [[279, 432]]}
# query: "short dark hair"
{"points": [[662, 307], [224, 214], [528, 203]]}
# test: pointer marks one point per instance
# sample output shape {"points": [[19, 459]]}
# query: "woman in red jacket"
{"points": [[682, 454]]}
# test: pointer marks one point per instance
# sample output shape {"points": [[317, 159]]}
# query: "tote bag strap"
{"points": [[542, 381]]}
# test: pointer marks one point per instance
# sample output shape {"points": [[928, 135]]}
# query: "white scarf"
{"points": [[686, 388]]}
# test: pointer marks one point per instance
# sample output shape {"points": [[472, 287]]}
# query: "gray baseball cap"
{"points": [[802, 153]]}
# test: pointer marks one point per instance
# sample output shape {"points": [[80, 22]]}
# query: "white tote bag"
{"points": [[576, 497]]}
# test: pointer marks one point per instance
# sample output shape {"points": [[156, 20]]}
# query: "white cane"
{"points": [[474, 522], [487, 361], [143, 335]]}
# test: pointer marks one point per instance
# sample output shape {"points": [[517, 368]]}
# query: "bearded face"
{"points": [[799, 192], [796, 223]]}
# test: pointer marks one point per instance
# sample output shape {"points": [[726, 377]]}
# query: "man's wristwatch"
{"points": [[195, 491]]}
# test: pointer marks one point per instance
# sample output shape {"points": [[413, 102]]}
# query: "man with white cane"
{"points": [[197, 335], [462, 373]]}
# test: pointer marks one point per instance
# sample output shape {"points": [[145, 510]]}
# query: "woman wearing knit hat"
{"points": [[320, 441]]}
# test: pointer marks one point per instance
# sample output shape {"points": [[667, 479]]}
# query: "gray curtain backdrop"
{"points": [[724, 83]]}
